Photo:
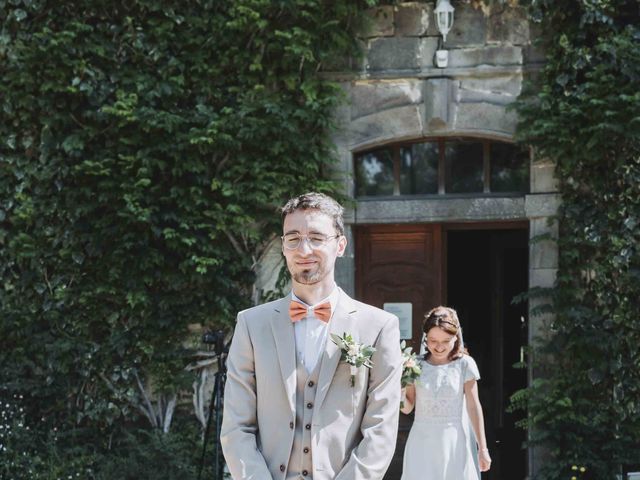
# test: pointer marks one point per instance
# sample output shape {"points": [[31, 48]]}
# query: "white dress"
{"points": [[438, 447]]}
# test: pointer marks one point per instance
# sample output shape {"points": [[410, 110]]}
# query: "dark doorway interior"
{"points": [[485, 270]]}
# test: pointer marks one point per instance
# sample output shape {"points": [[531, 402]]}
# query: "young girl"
{"points": [[437, 447]]}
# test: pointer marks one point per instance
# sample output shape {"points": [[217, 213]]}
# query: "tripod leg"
{"points": [[219, 389], [214, 395]]}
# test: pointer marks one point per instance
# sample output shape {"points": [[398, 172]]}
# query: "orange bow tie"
{"points": [[297, 311]]}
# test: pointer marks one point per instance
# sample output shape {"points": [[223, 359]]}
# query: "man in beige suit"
{"points": [[290, 410]]}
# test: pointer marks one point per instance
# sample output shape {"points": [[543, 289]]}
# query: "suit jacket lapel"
{"points": [[285, 342], [342, 321]]}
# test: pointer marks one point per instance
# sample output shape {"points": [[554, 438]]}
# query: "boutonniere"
{"points": [[354, 353], [410, 366]]}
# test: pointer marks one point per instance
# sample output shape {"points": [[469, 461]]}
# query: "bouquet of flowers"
{"points": [[354, 353], [410, 366]]}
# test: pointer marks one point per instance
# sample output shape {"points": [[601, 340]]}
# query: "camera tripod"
{"points": [[215, 405]]}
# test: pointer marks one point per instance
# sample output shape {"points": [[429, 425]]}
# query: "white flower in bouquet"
{"points": [[354, 350], [411, 369]]}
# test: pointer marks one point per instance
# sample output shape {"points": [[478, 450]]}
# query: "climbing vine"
{"points": [[145, 147], [582, 112]]}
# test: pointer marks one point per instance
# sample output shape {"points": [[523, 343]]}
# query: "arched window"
{"points": [[442, 166]]}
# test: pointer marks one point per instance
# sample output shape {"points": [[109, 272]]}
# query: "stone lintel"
{"points": [[485, 117], [369, 97], [440, 210], [478, 96], [505, 84], [439, 95], [394, 124]]}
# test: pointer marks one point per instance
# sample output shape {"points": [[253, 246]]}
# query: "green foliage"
{"points": [[31, 451], [28, 451], [145, 147], [584, 115], [150, 454]]}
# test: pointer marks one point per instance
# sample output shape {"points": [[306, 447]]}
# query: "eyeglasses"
{"points": [[291, 241]]}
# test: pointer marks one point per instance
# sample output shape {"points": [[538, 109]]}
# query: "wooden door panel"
{"points": [[387, 248], [400, 263]]}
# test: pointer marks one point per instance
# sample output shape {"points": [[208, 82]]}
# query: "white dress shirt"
{"points": [[311, 333]]}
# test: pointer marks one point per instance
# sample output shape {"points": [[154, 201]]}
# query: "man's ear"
{"points": [[342, 245]]}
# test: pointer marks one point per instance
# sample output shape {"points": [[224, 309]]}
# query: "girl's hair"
{"points": [[447, 319]]}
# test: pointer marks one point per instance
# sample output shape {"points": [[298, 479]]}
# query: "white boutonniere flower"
{"points": [[355, 354]]}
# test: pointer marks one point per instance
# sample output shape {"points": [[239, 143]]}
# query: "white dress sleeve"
{"points": [[471, 371]]}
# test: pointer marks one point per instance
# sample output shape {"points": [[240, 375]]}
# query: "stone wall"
{"points": [[397, 93]]}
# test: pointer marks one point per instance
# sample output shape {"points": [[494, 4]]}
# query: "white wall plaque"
{"points": [[404, 311]]}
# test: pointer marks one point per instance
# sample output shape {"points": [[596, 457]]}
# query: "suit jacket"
{"points": [[353, 429]]}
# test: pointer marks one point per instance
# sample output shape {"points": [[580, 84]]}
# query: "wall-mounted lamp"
{"points": [[444, 21], [444, 17]]}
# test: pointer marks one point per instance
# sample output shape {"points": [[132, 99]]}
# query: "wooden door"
{"points": [[400, 264]]}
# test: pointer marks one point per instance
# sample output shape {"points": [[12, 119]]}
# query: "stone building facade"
{"points": [[469, 243]]}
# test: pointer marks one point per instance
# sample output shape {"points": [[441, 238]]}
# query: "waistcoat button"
{"points": [[310, 384], [282, 468], [291, 425], [306, 450], [308, 426], [309, 405]]}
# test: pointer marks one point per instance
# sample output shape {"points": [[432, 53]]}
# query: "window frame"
{"points": [[395, 149]]}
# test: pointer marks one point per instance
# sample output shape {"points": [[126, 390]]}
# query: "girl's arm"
{"points": [[477, 422], [408, 398]]}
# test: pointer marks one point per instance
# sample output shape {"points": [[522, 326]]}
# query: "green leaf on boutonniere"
{"points": [[353, 353]]}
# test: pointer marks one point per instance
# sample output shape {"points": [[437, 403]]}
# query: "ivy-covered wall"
{"points": [[145, 147], [583, 114]]}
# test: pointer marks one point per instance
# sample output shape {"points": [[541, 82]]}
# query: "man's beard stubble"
{"points": [[307, 277]]}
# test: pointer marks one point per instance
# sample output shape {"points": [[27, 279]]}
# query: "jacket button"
{"points": [[310, 384], [282, 468], [308, 426], [305, 449], [309, 405], [304, 473], [291, 425]]}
